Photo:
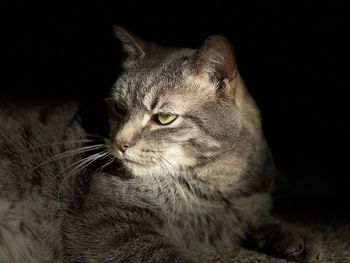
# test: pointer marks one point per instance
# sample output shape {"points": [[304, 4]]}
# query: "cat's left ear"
{"points": [[216, 59], [134, 47]]}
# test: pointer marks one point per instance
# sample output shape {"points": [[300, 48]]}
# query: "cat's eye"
{"points": [[119, 108], [165, 118]]}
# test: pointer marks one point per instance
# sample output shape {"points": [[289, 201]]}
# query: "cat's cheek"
{"points": [[178, 157]]}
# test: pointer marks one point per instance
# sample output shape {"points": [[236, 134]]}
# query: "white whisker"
{"points": [[81, 165], [84, 160], [69, 153], [60, 143], [111, 160], [171, 189], [179, 186], [160, 156]]}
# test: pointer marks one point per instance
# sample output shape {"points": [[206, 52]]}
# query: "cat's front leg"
{"points": [[274, 237]]}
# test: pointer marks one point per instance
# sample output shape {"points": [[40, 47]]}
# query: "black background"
{"points": [[292, 57]]}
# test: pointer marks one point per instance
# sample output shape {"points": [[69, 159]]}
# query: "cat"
{"points": [[191, 169], [199, 171]]}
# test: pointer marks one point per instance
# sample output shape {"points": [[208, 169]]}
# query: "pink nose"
{"points": [[122, 146]]}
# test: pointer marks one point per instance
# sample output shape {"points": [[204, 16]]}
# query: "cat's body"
{"points": [[198, 174], [30, 210]]}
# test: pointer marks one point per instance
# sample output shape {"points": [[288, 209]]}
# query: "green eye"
{"points": [[165, 118]]}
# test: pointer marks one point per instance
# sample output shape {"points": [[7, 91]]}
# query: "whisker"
{"points": [[154, 176], [111, 160], [171, 189], [160, 156], [86, 160], [66, 168], [179, 186], [69, 153], [80, 166], [59, 143], [175, 180]]}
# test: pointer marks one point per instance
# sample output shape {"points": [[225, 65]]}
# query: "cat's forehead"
{"points": [[151, 79]]}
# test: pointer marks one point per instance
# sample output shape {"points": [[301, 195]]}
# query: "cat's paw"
{"points": [[291, 245], [283, 242], [303, 248], [312, 252]]}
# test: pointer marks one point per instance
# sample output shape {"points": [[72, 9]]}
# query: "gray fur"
{"points": [[30, 213], [201, 183]]}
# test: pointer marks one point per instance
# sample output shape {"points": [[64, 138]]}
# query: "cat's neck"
{"points": [[216, 181]]}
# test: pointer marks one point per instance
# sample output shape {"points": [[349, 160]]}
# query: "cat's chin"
{"points": [[142, 170]]}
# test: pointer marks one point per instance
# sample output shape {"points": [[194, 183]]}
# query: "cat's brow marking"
{"points": [[149, 102], [145, 119]]}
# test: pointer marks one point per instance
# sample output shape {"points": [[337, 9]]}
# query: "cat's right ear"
{"points": [[215, 60], [134, 47]]}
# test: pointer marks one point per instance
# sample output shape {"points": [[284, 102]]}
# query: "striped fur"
{"points": [[201, 183]]}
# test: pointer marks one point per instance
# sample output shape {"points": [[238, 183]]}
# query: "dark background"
{"points": [[292, 57]]}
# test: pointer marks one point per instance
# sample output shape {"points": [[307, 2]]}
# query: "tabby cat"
{"points": [[191, 169]]}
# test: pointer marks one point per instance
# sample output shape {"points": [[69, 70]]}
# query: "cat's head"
{"points": [[173, 109]]}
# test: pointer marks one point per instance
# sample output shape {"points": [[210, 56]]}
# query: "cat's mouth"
{"points": [[153, 161], [131, 158]]}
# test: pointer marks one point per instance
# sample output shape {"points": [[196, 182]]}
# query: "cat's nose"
{"points": [[122, 146]]}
